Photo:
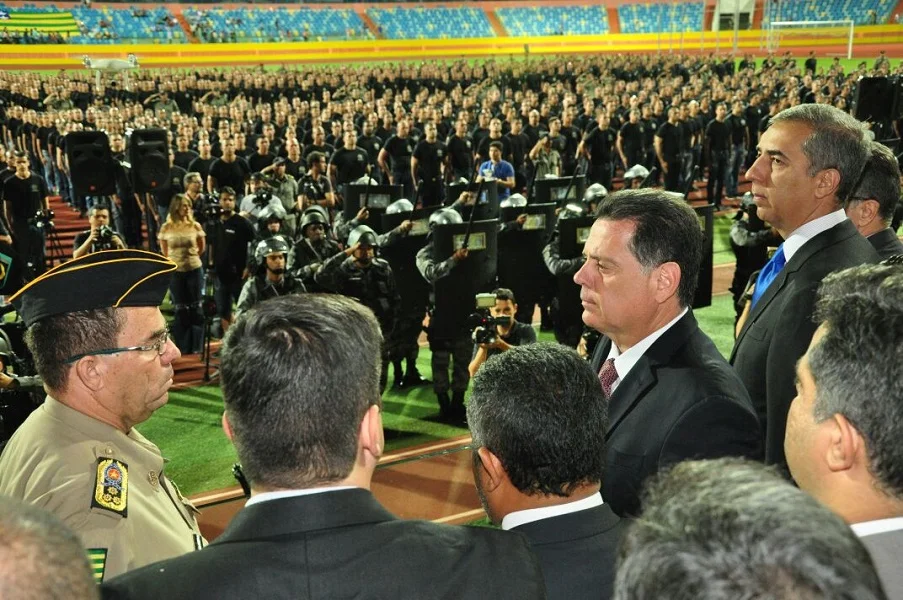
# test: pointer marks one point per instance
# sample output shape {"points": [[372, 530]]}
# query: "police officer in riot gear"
{"points": [[566, 319], [271, 279], [313, 247], [359, 273]]}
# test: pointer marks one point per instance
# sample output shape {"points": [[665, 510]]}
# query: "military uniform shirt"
{"points": [[52, 462]]}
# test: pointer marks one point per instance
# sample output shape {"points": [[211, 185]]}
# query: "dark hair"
{"points": [[539, 408], [856, 366], [314, 158], [40, 557], [880, 181], [54, 339], [496, 145], [728, 528], [227, 190], [298, 374], [504, 294], [667, 230]]}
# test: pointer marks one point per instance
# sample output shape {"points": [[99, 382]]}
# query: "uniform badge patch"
{"points": [[97, 557], [111, 487]]}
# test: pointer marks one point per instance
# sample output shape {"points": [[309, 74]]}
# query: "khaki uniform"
{"points": [[106, 485]]}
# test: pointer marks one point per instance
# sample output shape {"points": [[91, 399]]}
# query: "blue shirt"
{"points": [[501, 170]]}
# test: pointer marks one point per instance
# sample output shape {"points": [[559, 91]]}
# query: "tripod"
{"points": [[208, 305], [56, 254]]}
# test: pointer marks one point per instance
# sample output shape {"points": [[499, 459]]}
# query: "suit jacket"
{"points": [[336, 545], [577, 552], [680, 401], [885, 550], [780, 327], [886, 243]]}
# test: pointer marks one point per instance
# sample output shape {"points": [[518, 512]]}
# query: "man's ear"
{"points": [[827, 184], [667, 282], [845, 446], [90, 372], [227, 426], [371, 432], [495, 472]]}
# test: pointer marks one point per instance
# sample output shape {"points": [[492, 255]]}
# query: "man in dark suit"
{"points": [[872, 205], [846, 422], [672, 395], [300, 379], [810, 159], [537, 415]]}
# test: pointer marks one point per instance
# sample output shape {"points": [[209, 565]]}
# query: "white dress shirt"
{"points": [[805, 232], [267, 496], [522, 517], [875, 527]]}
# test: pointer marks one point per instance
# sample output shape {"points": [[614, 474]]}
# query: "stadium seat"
{"points": [[554, 20], [278, 24], [663, 16], [431, 23], [830, 10]]}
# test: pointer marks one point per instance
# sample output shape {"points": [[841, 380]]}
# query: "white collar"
{"points": [[522, 517], [625, 362], [807, 231], [267, 496], [875, 527]]}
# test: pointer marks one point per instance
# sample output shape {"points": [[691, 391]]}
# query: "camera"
{"points": [[482, 323], [748, 206], [42, 219], [262, 197], [104, 239], [210, 208]]}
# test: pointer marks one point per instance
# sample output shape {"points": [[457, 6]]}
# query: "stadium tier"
{"points": [[431, 23], [273, 24], [665, 16], [82, 25], [554, 20], [831, 10]]}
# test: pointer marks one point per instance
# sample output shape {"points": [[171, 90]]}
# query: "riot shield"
{"points": [[375, 197], [454, 293], [520, 264], [401, 255], [559, 190], [488, 203], [573, 233]]}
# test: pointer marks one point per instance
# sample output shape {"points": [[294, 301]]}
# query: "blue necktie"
{"points": [[768, 273]]}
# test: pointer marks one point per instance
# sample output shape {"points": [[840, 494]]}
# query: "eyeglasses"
{"points": [[159, 347]]}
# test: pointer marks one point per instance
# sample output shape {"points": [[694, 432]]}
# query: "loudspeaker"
{"points": [[149, 157], [874, 99], [91, 163]]}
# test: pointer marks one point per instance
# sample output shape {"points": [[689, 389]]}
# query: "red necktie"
{"points": [[608, 376]]}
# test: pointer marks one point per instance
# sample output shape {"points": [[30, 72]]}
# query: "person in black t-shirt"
{"points": [[739, 129], [598, 145], [314, 187], [371, 144], [460, 152], [318, 144], [184, 155], [668, 144], [754, 114], [718, 152], [399, 148], [89, 242], [263, 158], [204, 160], [229, 171], [630, 141], [24, 195], [349, 163], [571, 136], [229, 241], [428, 167], [495, 135]]}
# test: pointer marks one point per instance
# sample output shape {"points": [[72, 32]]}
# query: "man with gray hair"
{"points": [[671, 394], [537, 415], [845, 424], [724, 529], [872, 205], [40, 558], [810, 158]]}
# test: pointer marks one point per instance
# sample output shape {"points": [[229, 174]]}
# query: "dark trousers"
{"points": [[672, 177], [432, 192], [718, 165], [444, 352], [601, 173], [403, 178]]}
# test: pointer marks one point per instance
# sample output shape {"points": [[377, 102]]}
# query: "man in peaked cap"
{"points": [[106, 360]]}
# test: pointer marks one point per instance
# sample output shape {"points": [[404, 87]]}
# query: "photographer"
{"points": [[231, 237], [314, 187], [285, 187], [260, 197], [100, 236], [505, 336], [546, 159]]}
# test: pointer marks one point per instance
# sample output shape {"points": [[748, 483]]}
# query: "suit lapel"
{"points": [[301, 514], [642, 376]]}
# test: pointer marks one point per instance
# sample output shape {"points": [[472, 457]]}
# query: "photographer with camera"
{"points": [[26, 206], [500, 332], [261, 197], [100, 236], [285, 187]]}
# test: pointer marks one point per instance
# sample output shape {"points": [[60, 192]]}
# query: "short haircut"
{"points": [[837, 141], [227, 190], [728, 528], [539, 408], [880, 181], [54, 339], [496, 145], [189, 177], [298, 374], [667, 230], [504, 294], [40, 558], [99, 206], [856, 365], [314, 158]]}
